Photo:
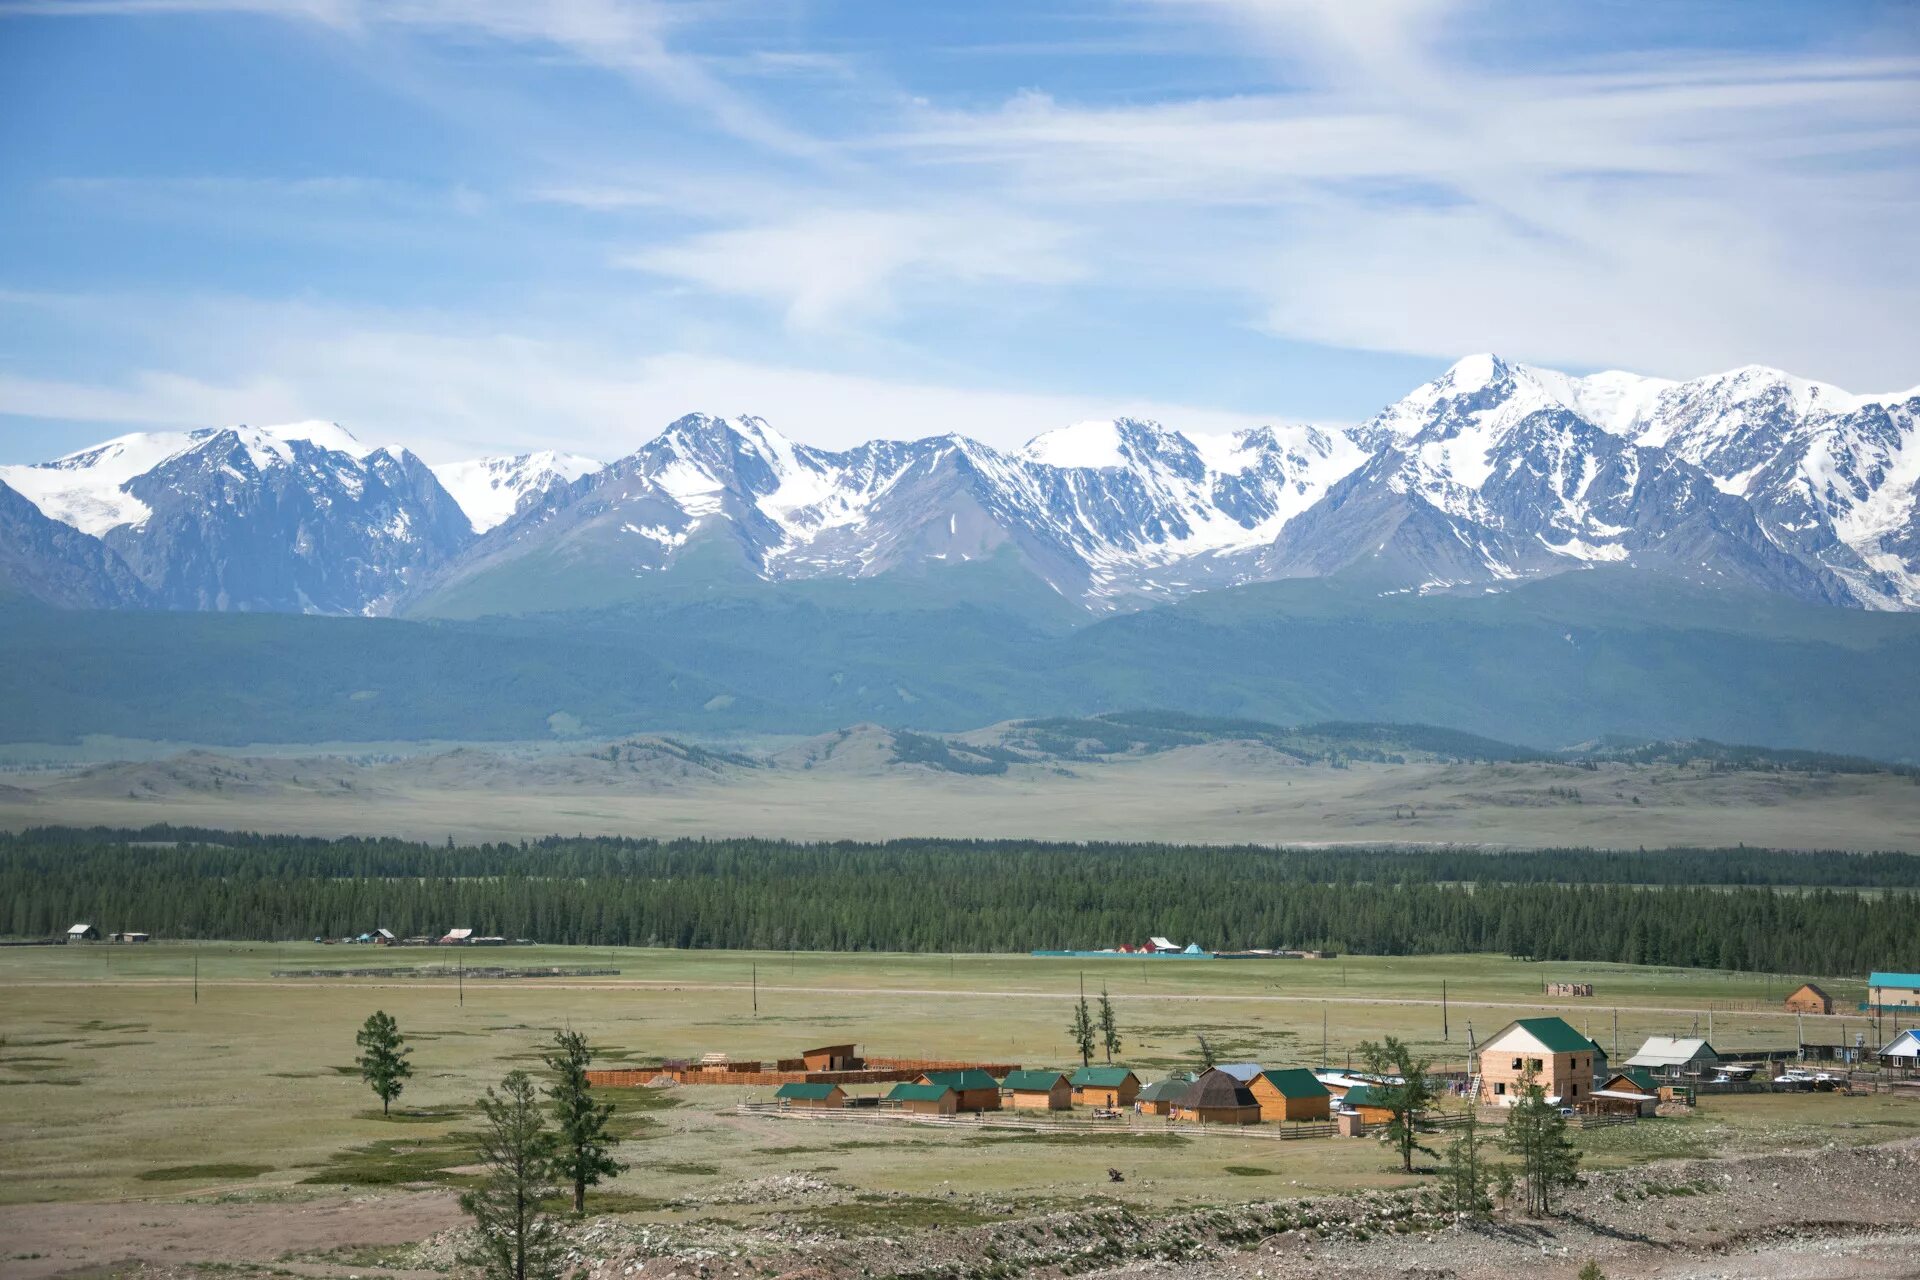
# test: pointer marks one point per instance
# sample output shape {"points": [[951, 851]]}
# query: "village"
{"points": [[1543, 1057]]}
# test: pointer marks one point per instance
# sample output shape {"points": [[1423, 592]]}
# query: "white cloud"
{"points": [[450, 390], [830, 265]]}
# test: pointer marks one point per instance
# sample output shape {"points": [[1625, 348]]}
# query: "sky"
{"points": [[490, 226]]}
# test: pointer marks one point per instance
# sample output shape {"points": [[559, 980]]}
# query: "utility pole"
{"points": [[196, 975], [1616, 1033], [1446, 1032], [1323, 1035], [755, 974], [460, 977]]}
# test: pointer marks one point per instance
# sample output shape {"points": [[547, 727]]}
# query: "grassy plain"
{"points": [[1175, 796], [115, 1083]]}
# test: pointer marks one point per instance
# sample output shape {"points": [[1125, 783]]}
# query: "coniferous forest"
{"points": [[1733, 909]]}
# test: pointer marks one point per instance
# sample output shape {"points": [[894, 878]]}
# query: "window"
{"points": [[1499, 1089], [1517, 1064], [1534, 1064]]}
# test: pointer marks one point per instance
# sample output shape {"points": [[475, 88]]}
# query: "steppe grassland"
{"points": [[111, 1074]]}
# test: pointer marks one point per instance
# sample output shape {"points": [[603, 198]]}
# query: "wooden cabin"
{"points": [[1293, 1093], [1809, 999], [800, 1094], [1105, 1087], [1158, 1098], [1217, 1098], [973, 1090], [924, 1099], [1037, 1091], [1630, 1092], [1366, 1103], [83, 933], [1676, 1057], [832, 1057]]}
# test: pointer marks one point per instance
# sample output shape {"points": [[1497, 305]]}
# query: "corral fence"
{"points": [[480, 972]]}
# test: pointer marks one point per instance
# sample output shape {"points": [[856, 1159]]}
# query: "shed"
{"points": [[129, 935], [1367, 1103], [1217, 1098], [804, 1094], [833, 1057], [924, 1099], [1893, 990], [456, 937], [83, 933], [1037, 1091], [1669, 1057], [1158, 1098], [974, 1090], [1292, 1093], [1105, 1087], [384, 937], [1809, 999]]}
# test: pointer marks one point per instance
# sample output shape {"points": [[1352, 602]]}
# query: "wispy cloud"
{"points": [[829, 265]]}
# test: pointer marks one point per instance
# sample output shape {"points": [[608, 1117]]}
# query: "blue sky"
{"points": [[477, 226]]}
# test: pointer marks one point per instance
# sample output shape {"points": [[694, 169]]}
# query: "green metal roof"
{"points": [[1555, 1034], [1164, 1090], [1639, 1075], [1296, 1082], [961, 1081], [918, 1092], [803, 1089], [1101, 1077], [1363, 1096], [1033, 1081]]}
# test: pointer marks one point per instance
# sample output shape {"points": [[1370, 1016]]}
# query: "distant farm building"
{"points": [[803, 1094], [456, 937], [1809, 999], [1290, 1094], [126, 935], [1903, 1051], [1158, 1098], [1217, 1098], [1559, 1059], [1570, 989], [1105, 1087], [1629, 1092], [1037, 1091], [83, 933], [832, 1057], [973, 1090], [1893, 990], [1671, 1057], [1369, 1103], [924, 1099]]}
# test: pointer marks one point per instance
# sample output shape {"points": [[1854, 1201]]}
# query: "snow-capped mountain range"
{"points": [[1492, 473]]}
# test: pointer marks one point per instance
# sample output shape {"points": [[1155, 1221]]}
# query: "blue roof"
{"points": [[1893, 979]]}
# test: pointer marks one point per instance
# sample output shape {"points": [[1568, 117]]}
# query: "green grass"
{"points": [[888, 1214], [205, 1172], [396, 1162]]}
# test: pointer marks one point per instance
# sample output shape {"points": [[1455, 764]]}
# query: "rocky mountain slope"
{"points": [[1492, 473]]}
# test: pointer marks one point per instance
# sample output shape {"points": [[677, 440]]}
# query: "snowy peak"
{"points": [[492, 490]]}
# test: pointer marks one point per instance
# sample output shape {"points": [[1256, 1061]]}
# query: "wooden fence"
{"points": [[1131, 1124]]}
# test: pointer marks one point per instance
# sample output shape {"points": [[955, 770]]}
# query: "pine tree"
{"points": [[1464, 1176], [1537, 1133], [1082, 1032], [516, 1239], [1407, 1101], [581, 1156], [1109, 1028], [383, 1058]]}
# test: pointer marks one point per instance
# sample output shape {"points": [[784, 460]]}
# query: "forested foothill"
{"points": [[1828, 913]]}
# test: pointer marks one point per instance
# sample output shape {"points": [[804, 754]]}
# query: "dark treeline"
{"points": [[1785, 912]]}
